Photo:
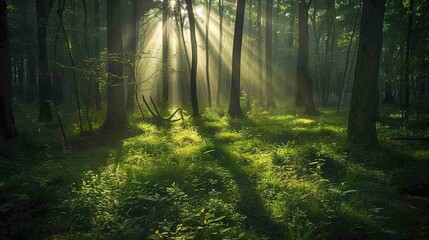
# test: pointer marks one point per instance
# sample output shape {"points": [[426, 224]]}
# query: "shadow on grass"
{"points": [[251, 204]]}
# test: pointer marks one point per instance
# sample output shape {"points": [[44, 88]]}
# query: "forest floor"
{"points": [[271, 175]]}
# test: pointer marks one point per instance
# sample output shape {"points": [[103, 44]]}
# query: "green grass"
{"points": [[277, 175]]}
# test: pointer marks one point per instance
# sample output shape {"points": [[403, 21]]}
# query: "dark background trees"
{"points": [[7, 119]]}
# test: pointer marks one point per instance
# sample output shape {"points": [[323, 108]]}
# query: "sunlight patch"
{"points": [[303, 121]]}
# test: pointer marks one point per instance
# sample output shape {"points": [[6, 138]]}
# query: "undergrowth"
{"points": [[277, 175]]}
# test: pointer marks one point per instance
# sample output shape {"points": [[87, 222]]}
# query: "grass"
{"points": [[276, 175]]}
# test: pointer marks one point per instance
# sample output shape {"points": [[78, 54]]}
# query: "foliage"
{"points": [[265, 177]]}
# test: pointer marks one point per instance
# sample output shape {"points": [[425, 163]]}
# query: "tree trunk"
{"points": [[388, 93], [131, 86], [362, 115], [165, 53], [389, 74], [407, 78], [31, 77], [7, 121], [208, 13], [21, 77], [116, 116], [97, 52], [269, 54], [220, 60], [348, 57], [194, 98], [259, 68], [234, 104], [45, 113], [290, 39], [303, 79]]}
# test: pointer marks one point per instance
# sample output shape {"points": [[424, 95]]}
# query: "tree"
{"points": [[220, 62], [348, 57], [269, 54], [259, 39], [234, 103], [116, 115], [165, 72], [131, 86], [209, 91], [363, 104], [303, 79], [194, 46], [407, 77], [97, 52], [43, 10], [7, 120]]}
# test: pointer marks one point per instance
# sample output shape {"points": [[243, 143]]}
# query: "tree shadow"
{"points": [[251, 204]]}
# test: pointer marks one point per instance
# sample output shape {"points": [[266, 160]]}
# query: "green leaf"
{"points": [[349, 191], [334, 190]]}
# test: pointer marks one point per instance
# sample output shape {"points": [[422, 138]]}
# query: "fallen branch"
{"points": [[157, 118]]}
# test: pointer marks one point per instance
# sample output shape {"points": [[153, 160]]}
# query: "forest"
{"points": [[214, 119]]}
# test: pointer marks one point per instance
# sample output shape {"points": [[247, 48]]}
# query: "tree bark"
{"points": [[31, 77], [116, 115], [234, 104], [220, 60], [21, 77], [165, 53], [407, 78], [194, 46], [208, 13], [259, 68], [97, 52], [348, 58], [269, 54], [303, 79], [362, 115], [131, 86], [7, 120], [45, 113]]}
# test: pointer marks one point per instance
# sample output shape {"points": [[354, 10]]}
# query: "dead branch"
{"points": [[157, 118]]}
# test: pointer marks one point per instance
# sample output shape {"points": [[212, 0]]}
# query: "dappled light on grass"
{"points": [[265, 176]]}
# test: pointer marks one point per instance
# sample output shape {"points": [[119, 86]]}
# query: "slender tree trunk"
{"points": [[194, 98], [303, 79], [348, 57], [300, 95], [316, 35], [7, 120], [259, 68], [116, 118], [90, 82], [208, 13], [407, 78], [45, 113], [389, 75], [250, 66], [362, 114], [290, 40], [329, 45], [97, 53], [182, 31], [75, 81], [234, 104], [220, 60], [31, 77], [131, 86], [20, 77], [269, 54], [165, 52]]}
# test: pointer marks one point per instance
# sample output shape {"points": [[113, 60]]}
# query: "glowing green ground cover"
{"points": [[277, 175]]}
